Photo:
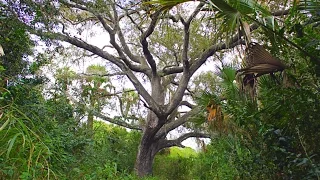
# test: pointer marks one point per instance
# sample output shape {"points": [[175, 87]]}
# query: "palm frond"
{"points": [[206, 98], [311, 7], [227, 74], [260, 61], [233, 13], [266, 82], [164, 5]]}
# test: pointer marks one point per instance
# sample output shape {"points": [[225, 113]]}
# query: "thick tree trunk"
{"points": [[148, 145], [145, 157]]}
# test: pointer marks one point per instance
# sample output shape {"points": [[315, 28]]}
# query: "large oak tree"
{"points": [[157, 49]]}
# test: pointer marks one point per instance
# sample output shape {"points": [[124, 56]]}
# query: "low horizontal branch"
{"points": [[104, 75], [117, 122], [178, 141], [188, 104]]}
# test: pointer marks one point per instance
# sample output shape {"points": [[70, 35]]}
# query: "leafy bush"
{"points": [[177, 164], [34, 144], [110, 155]]}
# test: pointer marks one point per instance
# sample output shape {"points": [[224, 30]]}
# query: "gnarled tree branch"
{"points": [[176, 123], [144, 42], [117, 122], [94, 49], [178, 142], [186, 30]]}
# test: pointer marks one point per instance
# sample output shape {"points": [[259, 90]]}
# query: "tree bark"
{"points": [[146, 153], [149, 145]]}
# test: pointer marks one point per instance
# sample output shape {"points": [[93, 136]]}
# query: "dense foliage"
{"points": [[41, 139], [263, 124]]}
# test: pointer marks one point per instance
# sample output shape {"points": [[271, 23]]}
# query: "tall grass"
{"points": [[23, 153]]}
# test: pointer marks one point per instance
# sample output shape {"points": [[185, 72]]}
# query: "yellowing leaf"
{"points": [[212, 112]]}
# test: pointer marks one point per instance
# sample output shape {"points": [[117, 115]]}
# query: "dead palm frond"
{"points": [[214, 112], [259, 61], [220, 122], [216, 118]]}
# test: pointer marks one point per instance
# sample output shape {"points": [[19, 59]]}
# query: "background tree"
{"points": [[96, 89]]}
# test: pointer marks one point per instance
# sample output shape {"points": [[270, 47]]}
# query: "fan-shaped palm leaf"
{"points": [[227, 74], [234, 14], [260, 61]]}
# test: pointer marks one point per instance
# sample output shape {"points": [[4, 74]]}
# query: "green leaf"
{"points": [[4, 124], [2, 68], [11, 143]]}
